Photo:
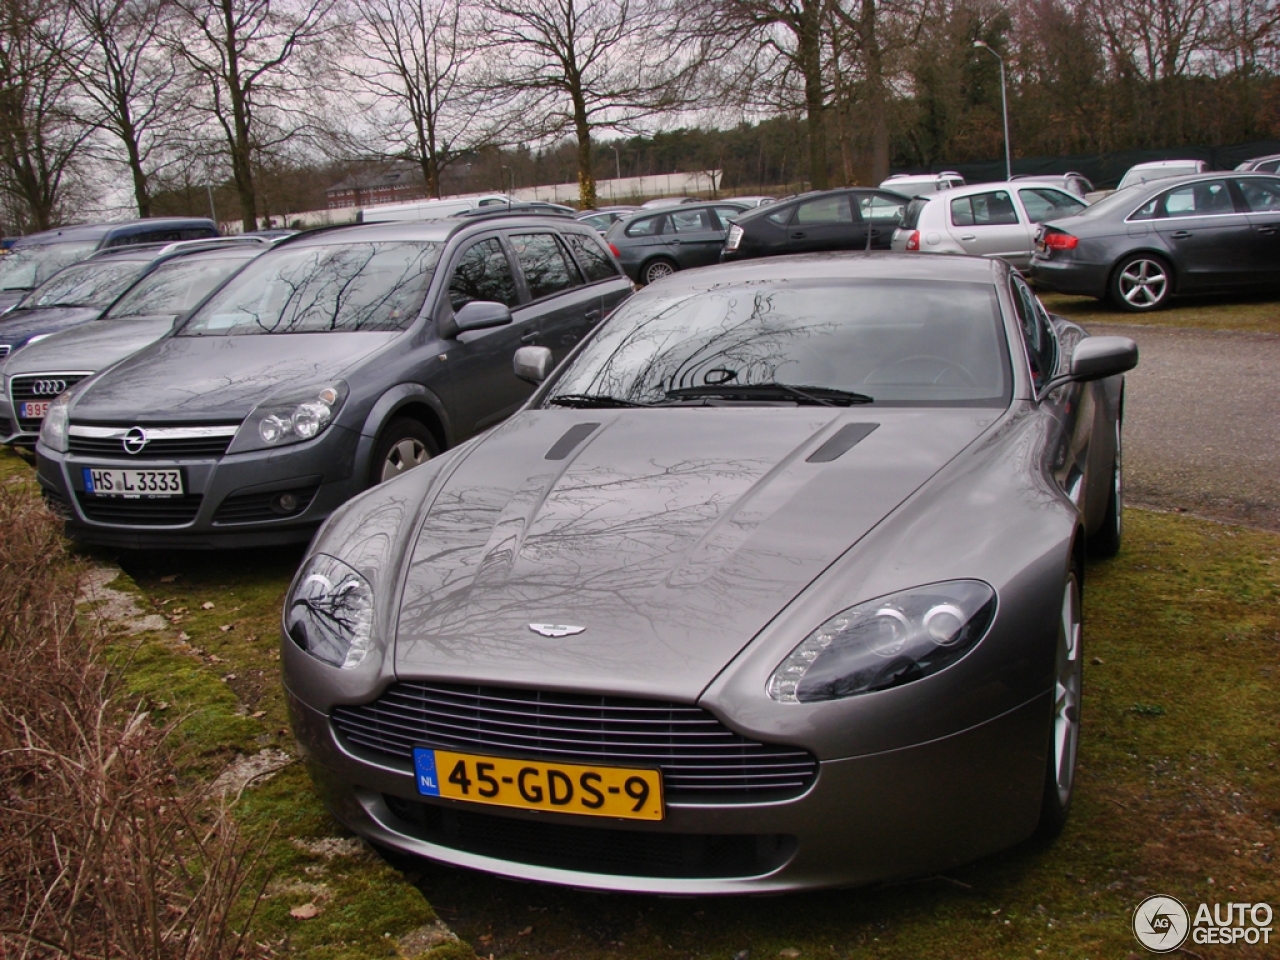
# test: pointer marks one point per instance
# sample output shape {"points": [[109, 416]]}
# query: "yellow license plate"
{"points": [[593, 791]]}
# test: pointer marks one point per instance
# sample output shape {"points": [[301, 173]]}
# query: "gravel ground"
{"points": [[1202, 423]]}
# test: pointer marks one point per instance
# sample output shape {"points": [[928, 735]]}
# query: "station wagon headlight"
{"points": [[57, 420], [886, 642], [329, 612], [292, 416]]}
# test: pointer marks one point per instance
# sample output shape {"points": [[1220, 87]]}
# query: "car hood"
{"points": [[670, 536], [91, 346], [218, 378], [18, 326]]}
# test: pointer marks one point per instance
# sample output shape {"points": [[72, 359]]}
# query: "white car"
{"points": [[1160, 170], [922, 184], [987, 219]]}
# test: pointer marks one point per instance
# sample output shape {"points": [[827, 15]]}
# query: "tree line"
{"points": [[174, 97]]}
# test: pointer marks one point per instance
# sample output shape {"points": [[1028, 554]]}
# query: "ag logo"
{"points": [[1161, 923]]}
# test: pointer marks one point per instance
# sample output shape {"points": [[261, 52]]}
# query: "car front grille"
{"points": [[4, 350], [151, 443], [702, 761], [153, 512], [596, 849], [37, 387]]}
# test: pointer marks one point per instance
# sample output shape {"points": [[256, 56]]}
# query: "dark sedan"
{"points": [[1140, 246], [337, 359], [845, 219], [651, 246]]}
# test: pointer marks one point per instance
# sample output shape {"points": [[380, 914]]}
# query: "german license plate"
{"points": [[33, 411], [593, 791], [104, 482]]}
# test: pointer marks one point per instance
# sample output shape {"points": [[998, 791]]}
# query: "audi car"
{"points": [[774, 584]]}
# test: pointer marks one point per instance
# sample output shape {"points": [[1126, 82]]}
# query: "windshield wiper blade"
{"points": [[592, 400], [825, 396]]}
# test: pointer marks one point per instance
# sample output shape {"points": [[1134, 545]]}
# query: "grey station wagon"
{"points": [[336, 360]]}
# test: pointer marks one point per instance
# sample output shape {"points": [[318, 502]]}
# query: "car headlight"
{"points": [[886, 642], [329, 612], [53, 431], [291, 416]]}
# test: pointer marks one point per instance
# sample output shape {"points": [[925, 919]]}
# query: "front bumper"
{"points": [[900, 813], [227, 500]]}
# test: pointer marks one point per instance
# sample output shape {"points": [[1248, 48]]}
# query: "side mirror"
{"points": [[480, 315], [1096, 358], [532, 363]]}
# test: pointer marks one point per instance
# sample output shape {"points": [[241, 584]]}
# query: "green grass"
{"points": [[1252, 313]]}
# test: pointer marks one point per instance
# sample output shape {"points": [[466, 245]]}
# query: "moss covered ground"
{"points": [[1251, 313]]}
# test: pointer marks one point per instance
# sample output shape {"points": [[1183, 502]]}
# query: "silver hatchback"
{"points": [[986, 219]]}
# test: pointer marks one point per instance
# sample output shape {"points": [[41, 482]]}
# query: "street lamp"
{"points": [[617, 161], [1004, 108]]}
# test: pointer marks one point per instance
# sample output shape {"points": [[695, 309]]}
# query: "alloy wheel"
{"points": [[404, 455], [1144, 284], [1067, 685]]}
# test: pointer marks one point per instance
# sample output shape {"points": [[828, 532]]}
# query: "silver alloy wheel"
{"points": [[1117, 481], [657, 271], [1144, 283], [1068, 677], [404, 455]]}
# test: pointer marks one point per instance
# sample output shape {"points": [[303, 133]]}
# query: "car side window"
{"points": [[595, 262], [691, 221], [483, 273], [780, 217], [1189, 200], [1042, 203], [1037, 333], [547, 269], [645, 226], [984, 210], [836, 209], [726, 214], [1262, 196], [876, 207]]}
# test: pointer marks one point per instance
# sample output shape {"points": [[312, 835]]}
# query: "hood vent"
{"points": [[572, 437], [846, 438]]}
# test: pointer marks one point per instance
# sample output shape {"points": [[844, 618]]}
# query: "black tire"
{"points": [[402, 445], [656, 269], [1105, 541], [1064, 717], [1141, 282]]}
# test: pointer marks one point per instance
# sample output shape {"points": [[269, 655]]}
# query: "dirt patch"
{"points": [[115, 607], [245, 771]]}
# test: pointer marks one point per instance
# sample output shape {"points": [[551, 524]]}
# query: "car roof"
{"points": [[437, 231], [97, 231], [843, 265]]}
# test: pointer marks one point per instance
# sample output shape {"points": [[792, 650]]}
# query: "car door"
{"points": [[831, 221], [988, 224], [560, 308], [694, 236], [1261, 197], [600, 271], [1205, 234], [483, 388]]}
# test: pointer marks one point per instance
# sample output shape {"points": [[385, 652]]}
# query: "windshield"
{"points": [[175, 287], [923, 343], [86, 284], [25, 268], [316, 289]]}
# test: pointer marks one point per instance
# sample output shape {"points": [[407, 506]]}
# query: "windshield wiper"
{"points": [[583, 400], [825, 396]]}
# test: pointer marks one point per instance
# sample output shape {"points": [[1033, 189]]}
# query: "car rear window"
{"points": [[593, 259], [341, 286], [645, 226], [911, 219], [923, 343]]}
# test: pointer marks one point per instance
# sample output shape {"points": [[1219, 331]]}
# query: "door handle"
{"points": [[530, 337], [799, 235], [1180, 234], [1266, 230], [968, 237], [592, 317]]}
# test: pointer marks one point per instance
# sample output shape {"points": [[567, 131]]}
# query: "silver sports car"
{"points": [[775, 583]]}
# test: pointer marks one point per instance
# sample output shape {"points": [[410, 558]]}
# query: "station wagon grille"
{"points": [[700, 758], [154, 512], [36, 387], [202, 442]]}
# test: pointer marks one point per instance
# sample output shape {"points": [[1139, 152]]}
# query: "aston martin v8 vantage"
{"points": [[775, 583]]}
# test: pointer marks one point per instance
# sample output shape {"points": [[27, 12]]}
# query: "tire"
{"points": [[657, 269], [402, 445], [1064, 722], [1105, 541], [1141, 282]]}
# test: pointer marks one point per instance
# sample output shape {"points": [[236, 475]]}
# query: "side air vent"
{"points": [[572, 437], [846, 438]]}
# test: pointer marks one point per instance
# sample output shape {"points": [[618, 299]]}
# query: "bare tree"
{"points": [[39, 134], [575, 66], [415, 66], [130, 83], [249, 61]]}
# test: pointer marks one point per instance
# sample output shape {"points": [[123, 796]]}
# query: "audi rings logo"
{"points": [[48, 388], [1161, 924], [134, 440]]}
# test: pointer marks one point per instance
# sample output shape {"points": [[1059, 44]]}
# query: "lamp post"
{"points": [[1004, 108], [617, 161]]}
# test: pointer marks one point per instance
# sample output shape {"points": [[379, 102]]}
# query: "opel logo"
{"points": [[135, 440], [48, 388], [555, 629]]}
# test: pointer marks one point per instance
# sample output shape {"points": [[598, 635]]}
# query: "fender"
{"points": [[395, 398]]}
